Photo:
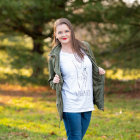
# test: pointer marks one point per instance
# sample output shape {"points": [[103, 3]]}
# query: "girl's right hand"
{"points": [[56, 79]]}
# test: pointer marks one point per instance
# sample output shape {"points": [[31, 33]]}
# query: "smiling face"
{"points": [[63, 34]]}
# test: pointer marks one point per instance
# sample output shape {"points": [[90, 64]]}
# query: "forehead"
{"points": [[62, 27]]}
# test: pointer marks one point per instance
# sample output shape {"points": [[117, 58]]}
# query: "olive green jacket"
{"points": [[98, 80]]}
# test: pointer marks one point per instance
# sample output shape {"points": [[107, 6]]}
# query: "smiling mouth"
{"points": [[64, 38]]}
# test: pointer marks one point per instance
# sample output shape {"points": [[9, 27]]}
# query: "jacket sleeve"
{"points": [[51, 73]]}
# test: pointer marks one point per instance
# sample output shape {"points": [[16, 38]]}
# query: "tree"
{"points": [[34, 18]]}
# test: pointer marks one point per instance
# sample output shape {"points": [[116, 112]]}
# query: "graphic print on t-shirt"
{"points": [[81, 78], [81, 74]]}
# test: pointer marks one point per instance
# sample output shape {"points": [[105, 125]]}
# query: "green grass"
{"points": [[36, 118]]}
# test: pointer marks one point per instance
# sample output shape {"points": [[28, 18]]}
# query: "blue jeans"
{"points": [[76, 124]]}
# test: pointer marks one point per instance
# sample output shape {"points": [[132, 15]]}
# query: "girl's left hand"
{"points": [[101, 71]]}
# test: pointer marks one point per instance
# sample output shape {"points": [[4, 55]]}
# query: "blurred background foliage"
{"points": [[112, 27], [27, 103]]}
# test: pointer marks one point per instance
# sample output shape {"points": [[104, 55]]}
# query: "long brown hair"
{"points": [[76, 44]]}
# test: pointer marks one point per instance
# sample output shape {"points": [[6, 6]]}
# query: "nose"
{"points": [[63, 34]]}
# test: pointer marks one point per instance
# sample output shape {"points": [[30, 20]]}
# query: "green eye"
{"points": [[59, 32]]}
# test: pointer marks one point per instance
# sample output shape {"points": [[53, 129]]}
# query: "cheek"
{"points": [[69, 35]]}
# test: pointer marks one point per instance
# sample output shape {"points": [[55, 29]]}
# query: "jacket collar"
{"points": [[56, 50]]}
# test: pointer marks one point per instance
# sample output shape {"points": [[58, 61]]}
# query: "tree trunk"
{"points": [[37, 71], [38, 46], [38, 64]]}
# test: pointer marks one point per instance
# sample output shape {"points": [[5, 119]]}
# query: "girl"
{"points": [[78, 81]]}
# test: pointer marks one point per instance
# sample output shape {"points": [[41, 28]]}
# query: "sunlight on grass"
{"points": [[38, 116], [35, 126], [1, 109], [20, 40], [123, 74], [10, 71], [119, 74], [35, 115], [30, 103]]}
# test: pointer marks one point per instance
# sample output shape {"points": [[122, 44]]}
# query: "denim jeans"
{"points": [[76, 124]]}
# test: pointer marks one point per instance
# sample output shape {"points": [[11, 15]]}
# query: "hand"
{"points": [[101, 71], [56, 79]]}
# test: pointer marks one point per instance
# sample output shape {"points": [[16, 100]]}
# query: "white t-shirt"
{"points": [[77, 89]]}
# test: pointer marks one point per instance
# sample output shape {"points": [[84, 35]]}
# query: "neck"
{"points": [[67, 47]]}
